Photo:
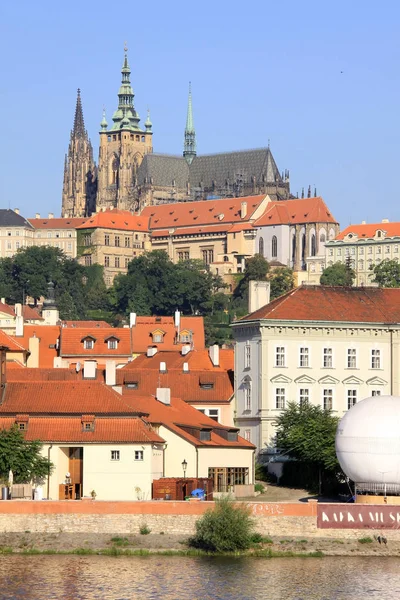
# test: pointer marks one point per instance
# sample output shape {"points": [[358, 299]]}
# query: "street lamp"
{"points": [[184, 467]]}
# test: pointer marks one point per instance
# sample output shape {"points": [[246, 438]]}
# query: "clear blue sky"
{"points": [[319, 79]]}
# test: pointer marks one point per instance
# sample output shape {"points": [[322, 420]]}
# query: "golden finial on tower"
{"points": [[125, 47]]}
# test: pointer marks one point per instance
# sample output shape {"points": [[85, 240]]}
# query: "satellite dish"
{"points": [[78, 367]]}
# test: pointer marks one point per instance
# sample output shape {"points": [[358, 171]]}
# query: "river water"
{"points": [[173, 578]]}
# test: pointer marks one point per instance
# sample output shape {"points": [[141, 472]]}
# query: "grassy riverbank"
{"points": [[86, 544]]}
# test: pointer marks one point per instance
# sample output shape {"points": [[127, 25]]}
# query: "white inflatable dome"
{"points": [[368, 441]]}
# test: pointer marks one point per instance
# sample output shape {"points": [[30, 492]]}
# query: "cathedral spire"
{"points": [[79, 124], [126, 117], [189, 149]]}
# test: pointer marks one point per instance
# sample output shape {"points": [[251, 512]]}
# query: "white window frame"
{"points": [[280, 356], [115, 455], [376, 392], [350, 357], [139, 455], [376, 359], [247, 435], [247, 355], [326, 397], [88, 344], [112, 344], [304, 357], [247, 396], [304, 396], [326, 356], [352, 396], [281, 394]]}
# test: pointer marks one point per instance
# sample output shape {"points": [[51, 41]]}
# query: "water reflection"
{"points": [[176, 578]]}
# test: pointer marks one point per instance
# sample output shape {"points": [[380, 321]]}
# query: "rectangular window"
{"points": [[351, 358], [387, 249], [247, 356], [330, 251], [304, 396], [328, 358], [224, 478], [106, 261], [17, 245], [304, 357], [361, 251], [339, 252], [327, 399], [117, 241], [138, 454], [379, 250], [280, 394], [106, 240], [116, 261], [126, 262], [87, 240], [17, 233], [247, 397], [375, 359], [88, 344], [352, 251], [49, 234], [88, 260], [369, 249], [115, 455], [280, 356], [208, 256], [376, 392], [213, 413], [22, 426], [396, 250], [351, 398], [69, 246], [112, 344], [127, 242], [247, 435]]}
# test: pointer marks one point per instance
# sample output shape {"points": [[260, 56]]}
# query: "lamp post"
{"points": [[184, 467]]}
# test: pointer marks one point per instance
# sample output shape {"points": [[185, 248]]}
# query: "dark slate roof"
{"points": [[9, 218], [228, 165], [164, 169]]}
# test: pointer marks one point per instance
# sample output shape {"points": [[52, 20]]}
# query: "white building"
{"points": [[329, 346]]}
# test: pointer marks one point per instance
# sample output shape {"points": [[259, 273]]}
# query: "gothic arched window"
{"points": [[303, 246], [114, 170], [313, 246], [274, 247], [261, 246], [294, 248]]}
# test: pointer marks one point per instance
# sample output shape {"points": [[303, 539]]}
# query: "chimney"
{"points": [[185, 349], [51, 215], [177, 319], [16, 210], [34, 349], [213, 352], [186, 367], [89, 369], [111, 373], [243, 210], [163, 367], [132, 320], [3, 300], [363, 222], [385, 220], [259, 294], [19, 325], [37, 216], [164, 395], [151, 351]]}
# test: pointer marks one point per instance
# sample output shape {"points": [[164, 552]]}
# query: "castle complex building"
{"points": [[129, 176]]}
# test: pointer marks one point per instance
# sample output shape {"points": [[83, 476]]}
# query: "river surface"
{"points": [[173, 578]]}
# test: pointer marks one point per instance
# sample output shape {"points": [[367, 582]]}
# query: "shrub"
{"points": [[365, 540], [227, 528], [259, 487], [144, 530]]}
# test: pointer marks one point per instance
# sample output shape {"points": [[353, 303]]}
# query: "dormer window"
{"points": [[205, 435], [22, 426], [207, 385], [88, 344], [158, 336], [185, 336], [22, 422], [112, 343], [87, 422]]}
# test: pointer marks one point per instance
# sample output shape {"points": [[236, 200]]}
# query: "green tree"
{"points": [[22, 457], [67, 307], [387, 274], [339, 274], [281, 280], [307, 433], [7, 283], [257, 269]]}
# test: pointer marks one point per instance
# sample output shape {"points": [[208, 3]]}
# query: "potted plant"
{"points": [[93, 494]]}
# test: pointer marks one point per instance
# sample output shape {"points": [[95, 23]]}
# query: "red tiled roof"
{"points": [[185, 385], [48, 336], [304, 210], [240, 227], [10, 343], [69, 430], [369, 230], [41, 374], [31, 314], [95, 324], [71, 343], [7, 310], [142, 339], [58, 223], [117, 219], [205, 212], [64, 397], [333, 304]]}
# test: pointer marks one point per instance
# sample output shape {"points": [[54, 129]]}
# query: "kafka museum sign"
{"points": [[358, 516]]}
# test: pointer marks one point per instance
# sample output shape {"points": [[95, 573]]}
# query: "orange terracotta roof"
{"points": [[333, 304], [179, 415], [240, 227], [95, 324], [145, 371], [42, 374], [48, 336], [14, 365], [205, 212], [11, 343], [71, 343], [64, 397], [304, 210], [58, 223], [193, 230], [369, 230], [69, 430], [117, 219], [142, 338], [7, 310], [31, 314]]}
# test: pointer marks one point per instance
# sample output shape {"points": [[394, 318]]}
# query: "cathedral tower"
{"points": [[189, 148], [122, 148], [79, 187]]}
